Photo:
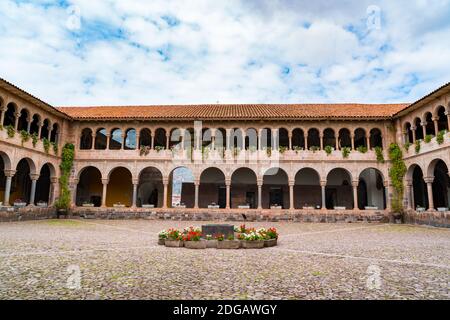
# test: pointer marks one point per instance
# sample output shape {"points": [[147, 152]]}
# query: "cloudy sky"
{"points": [[97, 52]]}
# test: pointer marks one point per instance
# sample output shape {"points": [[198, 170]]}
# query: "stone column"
{"points": [[105, 188], [259, 184], [196, 194], [387, 189], [352, 138], [413, 130], [29, 124], [9, 175], [290, 140], [51, 196], [436, 125], [355, 194], [424, 128], [49, 129], [34, 178], [429, 182], [182, 138], [368, 141], [291, 195], [448, 118], [74, 186], [165, 194], [243, 139], [337, 142], [152, 140], [409, 196], [323, 185], [306, 141], [167, 141], [227, 141], [107, 141], [39, 130], [228, 194], [321, 141], [16, 123], [2, 115], [93, 140], [135, 188], [275, 139]]}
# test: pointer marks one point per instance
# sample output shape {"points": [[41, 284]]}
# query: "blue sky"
{"points": [[103, 52]]}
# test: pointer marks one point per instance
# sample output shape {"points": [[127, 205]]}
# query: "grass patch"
{"points": [[64, 223]]}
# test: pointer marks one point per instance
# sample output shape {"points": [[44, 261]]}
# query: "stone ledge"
{"points": [[11, 214], [429, 218]]}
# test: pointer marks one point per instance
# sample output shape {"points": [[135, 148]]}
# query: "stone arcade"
{"points": [[224, 162]]}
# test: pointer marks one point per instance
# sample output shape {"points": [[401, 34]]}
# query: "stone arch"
{"points": [[160, 138], [145, 137], [313, 138], [283, 138], [339, 191], [175, 138], [371, 190], [244, 190], [236, 139], [376, 139], [89, 187], [298, 139], [206, 138], [360, 138], [441, 118], [10, 115], [116, 139], [86, 139], [419, 188], [251, 139], [120, 187], [181, 187], [101, 139], [220, 139], [212, 189], [440, 186], [408, 133], [130, 139], [345, 140], [429, 124], [35, 123], [329, 138], [24, 118], [21, 182], [307, 190], [266, 141], [275, 189], [150, 187], [418, 129], [5, 164], [43, 184], [45, 130]]}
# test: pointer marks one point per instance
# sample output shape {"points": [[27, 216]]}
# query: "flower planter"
{"points": [[257, 244], [20, 204], [276, 207], [339, 208], [228, 244], [42, 205], [161, 242], [148, 206], [211, 243], [119, 206], [213, 207], [308, 208], [270, 242], [243, 207], [442, 209], [88, 205], [420, 209], [370, 208], [173, 243], [195, 244]]}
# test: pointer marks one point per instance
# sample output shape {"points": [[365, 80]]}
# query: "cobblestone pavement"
{"points": [[121, 260]]}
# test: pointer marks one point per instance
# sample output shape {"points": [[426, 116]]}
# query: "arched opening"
{"points": [[120, 187], [442, 119], [429, 124], [313, 139], [115, 141], [345, 140], [420, 191], [275, 190], [34, 127], [283, 138], [266, 139], [21, 182], [236, 139], [212, 189], [160, 138], [145, 138], [3, 166], [408, 133], [360, 138], [43, 184], [86, 139], [328, 138], [244, 190], [130, 139], [175, 139], [376, 138], [371, 192], [418, 129], [182, 188], [100, 139], [298, 139], [206, 139], [90, 187], [10, 115], [441, 181], [54, 133], [45, 130], [338, 192], [220, 140], [151, 188], [189, 139], [251, 139], [23, 120], [307, 190]]}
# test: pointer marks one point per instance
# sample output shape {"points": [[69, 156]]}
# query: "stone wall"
{"points": [[430, 218], [10, 214]]}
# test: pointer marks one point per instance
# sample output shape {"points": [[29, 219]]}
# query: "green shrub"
{"points": [[379, 154], [34, 139], [346, 152], [407, 145], [397, 172], [440, 137], [67, 156], [282, 149], [428, 138], [362, 149], [55, 147], [417, 146], [46, 144], [328, 150], [10, 131], [25, 136], [314, 148]]}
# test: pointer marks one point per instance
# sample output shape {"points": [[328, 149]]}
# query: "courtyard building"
{"points": [[228, 159]]}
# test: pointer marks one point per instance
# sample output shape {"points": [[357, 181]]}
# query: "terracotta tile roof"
{"points": [[236, 111]]}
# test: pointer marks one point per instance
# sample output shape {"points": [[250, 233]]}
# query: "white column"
{"points": [[260, 184], [424, 128], [409, 196], [9, 175], [167, 142], [429, 182], [323, 185], [135, 187], [387, 189], [228, 195], [16, 123], [352, 138], [51, 195], [34, 178], [290, 140], [105, 189], [165, 194], [436, 126], [196, 184], [355, 194], [291, 195], [321, 140], [2, 116], [152, 141]]}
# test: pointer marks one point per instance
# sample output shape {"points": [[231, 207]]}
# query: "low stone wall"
{"points": [[330, 216], [429, 218], [10, 214]]}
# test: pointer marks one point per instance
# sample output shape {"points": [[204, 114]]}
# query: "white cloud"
{"points": [[149, 52]]}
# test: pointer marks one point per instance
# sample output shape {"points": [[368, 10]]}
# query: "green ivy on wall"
{"points": [[397, 173], [67, 156]]}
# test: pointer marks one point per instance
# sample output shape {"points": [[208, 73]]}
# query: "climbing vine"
{"points": [[67, 156], [379, 154], [397, 173]]}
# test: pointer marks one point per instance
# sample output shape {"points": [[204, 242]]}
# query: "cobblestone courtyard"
{"points": [[121, 260]]}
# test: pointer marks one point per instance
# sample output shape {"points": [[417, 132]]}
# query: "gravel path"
{"points": [[121, 260]]}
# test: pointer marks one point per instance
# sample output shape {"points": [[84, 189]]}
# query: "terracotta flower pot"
{"points": [[270, 243], [161, 242], [195, 244], [257, 244], [211, 243], [173, 243], [228, 244]]}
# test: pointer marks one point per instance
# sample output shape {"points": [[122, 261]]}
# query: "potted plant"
{"points": [[87, 204], [118, 205], [210, 241], [42, 204], [162, 236], [252, 240], [174, 238], [19, 203], [148, 206], [230, 243], [192, 238], [270, 237]]}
